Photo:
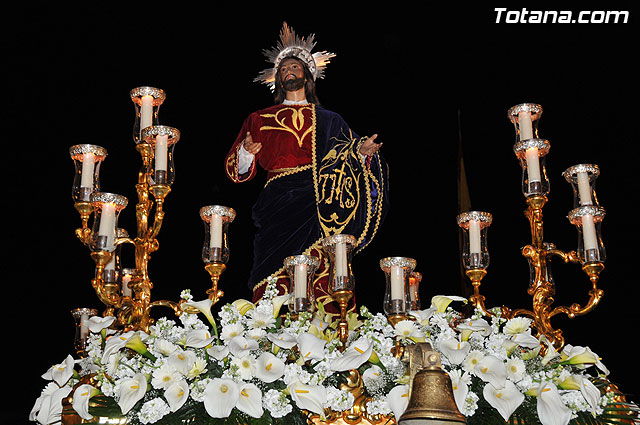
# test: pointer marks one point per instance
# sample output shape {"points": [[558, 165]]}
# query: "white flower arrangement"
{"points": [[255, 366]]}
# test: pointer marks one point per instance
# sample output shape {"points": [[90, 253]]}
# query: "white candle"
{"points": [[589, 233], [126, 291], [533, 164], [341, 259], [584, 189], [161, 152], [84, 329], [300, 280], [524, 123], [396, 275], [215, 230], [108, 224], [474, 237], [88, 162], [146, 112]]}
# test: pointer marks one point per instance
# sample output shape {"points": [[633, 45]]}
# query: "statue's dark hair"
{"points": [[309, 87]]}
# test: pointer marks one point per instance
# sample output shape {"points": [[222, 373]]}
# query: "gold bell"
{"points": [[431, 400]]}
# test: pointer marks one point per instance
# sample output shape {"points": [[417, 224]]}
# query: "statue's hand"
{"points": [[251, 146], [369, 146]]}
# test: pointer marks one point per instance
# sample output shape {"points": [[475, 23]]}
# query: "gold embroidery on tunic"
{"points": [[294, 127]]}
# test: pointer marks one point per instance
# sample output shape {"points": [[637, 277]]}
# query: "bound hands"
{"points": [[250, 146], [369, 146]]}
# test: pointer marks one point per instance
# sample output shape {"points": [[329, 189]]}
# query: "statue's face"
{"points": [[291, 74]]}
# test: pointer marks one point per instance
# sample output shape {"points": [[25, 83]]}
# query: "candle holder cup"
{"points": [[80, 316], [301, 269], [215, 249], [147, 101], [339, 249], [397, 298], [162, 140]]}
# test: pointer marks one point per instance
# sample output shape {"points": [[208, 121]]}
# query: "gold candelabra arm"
{"points": [[85, 209], [593, 271], [215, 269], [343, 297], [534, 214], [107, 292]]}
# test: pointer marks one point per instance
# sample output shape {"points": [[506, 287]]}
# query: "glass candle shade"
{"points": [[531, 153], [582, 178], [414, 290], [147, 101], [339, 249], [111, 271], [125, 277], [162, 140], [80, 317], [107, 207], [474, 225], [216, 220], [86, 179], [529, 148], [301, 269], [525, 118], [397, 297], [588, 221]]}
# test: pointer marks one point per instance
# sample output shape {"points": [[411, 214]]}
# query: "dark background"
{"points": [[421, 80]]}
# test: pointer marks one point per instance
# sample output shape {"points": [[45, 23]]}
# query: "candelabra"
{"points": [[587, 216], [126, 292]]}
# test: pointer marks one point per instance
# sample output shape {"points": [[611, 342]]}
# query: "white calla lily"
{"points": [[199, 338], [240, 346], [97, 323], [218, 352], [81, 397], [114, 344], [354, 356], [525, 339], [460, 386], [493, 370], [551, 410], [310, 346], [177, 394], [454, 350], [550, 353], [243, 306], [576, 355], [182, 360], [441, 302], [505, 400], [49, 405], [250, 400], [589, 392], [278, 301], [282, 339], [220, 397], [269, 368], [131, 390], [203, 307], [398, 400], [61, 372], [308, 397], [423, 316], [477, 325]]}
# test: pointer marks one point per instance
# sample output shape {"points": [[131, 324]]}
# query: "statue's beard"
{"points": [[293, 84]]}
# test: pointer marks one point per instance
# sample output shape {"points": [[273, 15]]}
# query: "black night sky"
{"points": [[421, 80]]}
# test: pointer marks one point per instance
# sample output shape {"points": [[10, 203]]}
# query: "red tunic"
{"points": [[286, 134]]}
